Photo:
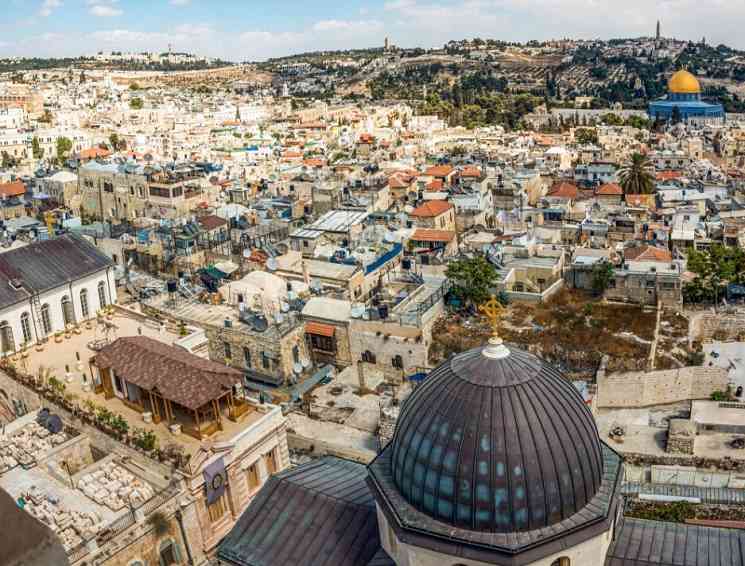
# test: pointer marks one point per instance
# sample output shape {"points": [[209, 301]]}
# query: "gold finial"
{"points": [[494, 311]]}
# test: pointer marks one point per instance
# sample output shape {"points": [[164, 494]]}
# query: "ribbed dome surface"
{"points": [[683, 82], [496, 444]]}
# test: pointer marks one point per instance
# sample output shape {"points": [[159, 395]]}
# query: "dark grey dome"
{"points": [[498, 443]]}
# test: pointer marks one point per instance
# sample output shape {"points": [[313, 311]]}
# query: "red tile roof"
{"points": [[439, 171], [435, 185], [319, 329], [471, 172], [425, 235], [431, 209], [668, 175], [14, 189], [647, 253], [94, 153], [400, 180], [610, 189], [564, 189]]}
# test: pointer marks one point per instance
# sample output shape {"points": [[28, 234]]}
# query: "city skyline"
{"points": [[235, 31]]}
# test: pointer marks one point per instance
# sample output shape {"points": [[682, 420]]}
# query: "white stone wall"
{"points": [[54, 298], [591, 552], [643, 389]]}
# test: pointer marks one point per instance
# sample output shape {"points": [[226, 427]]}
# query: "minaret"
{"points": [[657, 36]]}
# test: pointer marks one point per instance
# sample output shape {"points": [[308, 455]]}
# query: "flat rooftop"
{"points": [[58, 356]]}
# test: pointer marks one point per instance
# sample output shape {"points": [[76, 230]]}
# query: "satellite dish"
{"points": [[305, 363], [246, 253], [279, 317], [284, 307], [297, 368], [271, 264]]}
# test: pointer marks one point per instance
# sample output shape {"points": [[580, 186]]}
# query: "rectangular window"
{"points": [[324, 343], [252, 477], [271, 462], [247, 357], [217, 509], [265, 363], [226, 347]]}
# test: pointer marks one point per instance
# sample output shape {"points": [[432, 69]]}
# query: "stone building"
{"points": [[495, 460]]}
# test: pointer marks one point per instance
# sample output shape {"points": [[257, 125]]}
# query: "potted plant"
{"points": [[58, 336], [120, 426]]}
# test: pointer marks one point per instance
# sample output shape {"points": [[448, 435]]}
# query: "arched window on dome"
{"points": [[563, 561]]}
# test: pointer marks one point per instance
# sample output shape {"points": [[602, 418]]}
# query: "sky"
{"points": [[252, 30]]}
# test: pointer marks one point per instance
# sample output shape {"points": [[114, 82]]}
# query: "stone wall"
{"points": [[644, 389], [720, 326]]}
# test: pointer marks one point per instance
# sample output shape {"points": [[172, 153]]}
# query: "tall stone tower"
{"points": [[657, 35]]}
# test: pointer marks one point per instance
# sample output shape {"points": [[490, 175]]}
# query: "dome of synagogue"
{"points": [[683, 82], [496, 440]]}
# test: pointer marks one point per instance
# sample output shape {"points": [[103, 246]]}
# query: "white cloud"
{"points": [[48, 6], [104, 8], [361, 26]]}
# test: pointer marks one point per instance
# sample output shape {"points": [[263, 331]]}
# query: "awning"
{"points": [[319, 329]]}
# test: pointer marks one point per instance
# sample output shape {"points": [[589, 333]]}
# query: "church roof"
{"points": [[320, 514], [497, 445], [683, 82]]}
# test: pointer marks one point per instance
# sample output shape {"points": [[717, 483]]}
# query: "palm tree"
{"points": [[637, 176]]}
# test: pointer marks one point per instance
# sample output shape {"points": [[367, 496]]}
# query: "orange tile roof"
{"points": [[647, 253], [400, 180], [14, 189], [564, 189], [319, 329], [609, 189], [431, 209], [668, 175], [435, 185], [439, 171], [640, 201], [471, 172], [94, 153], [426, 235], [314, 162]]}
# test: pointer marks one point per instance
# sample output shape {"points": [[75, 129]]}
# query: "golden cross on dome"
{"points": [[493, 311]]}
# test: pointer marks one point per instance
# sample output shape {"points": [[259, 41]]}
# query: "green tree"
{"points": [[7, 161], [611, 119], [46, 117], [637, 176], [117, 143], [64, 145], [715, 269], [472, 280], [36, 149], [602, 275], [136, 104], [586, 136]]}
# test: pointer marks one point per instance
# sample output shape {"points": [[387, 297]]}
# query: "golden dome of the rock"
{"points": [[683, 82]]}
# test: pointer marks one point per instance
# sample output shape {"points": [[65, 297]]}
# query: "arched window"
{"points": [[6, 338], [563, 561], [26, 328], [46, 320], [397, 362], [102, 294], [84, 303], [68, 313], [368, 356]]}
